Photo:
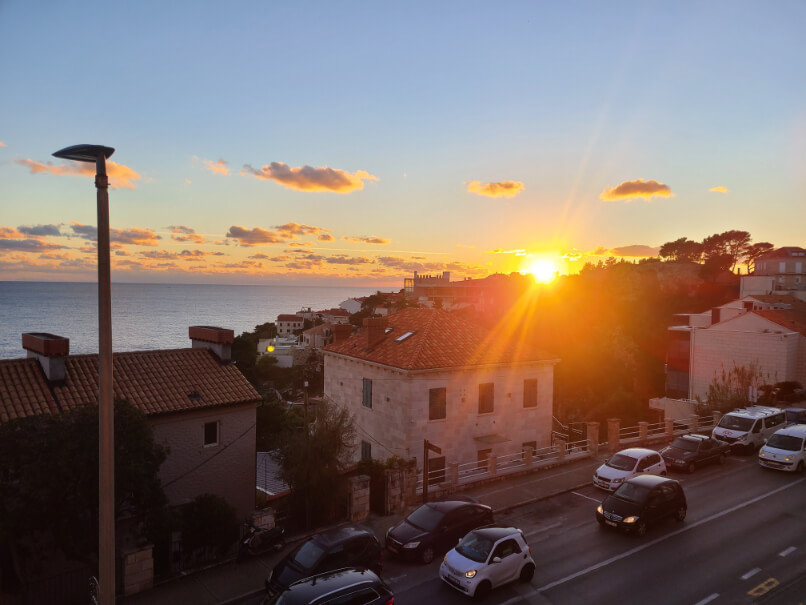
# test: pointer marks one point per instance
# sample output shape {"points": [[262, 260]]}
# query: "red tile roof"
{"points": [[790, 319], [289, 318], [440, 339], [157, 382]]}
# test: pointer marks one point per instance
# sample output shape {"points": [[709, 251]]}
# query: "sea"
{"points": [[149, 316]]}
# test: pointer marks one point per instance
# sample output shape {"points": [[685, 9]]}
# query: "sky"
{"points": [[357, 142]]}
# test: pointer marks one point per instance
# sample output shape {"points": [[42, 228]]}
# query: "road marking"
{"points": [[396, 578], [708, 599], [751, 573], [542, 529], [688, 527], [588, 497], [787, 551], [763, 588]]}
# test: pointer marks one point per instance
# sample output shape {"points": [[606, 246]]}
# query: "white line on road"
{"points": [[588, 497], [707, 599], [396, 578], [751, 573], [688, 527], [787, 551], [542, 529]]}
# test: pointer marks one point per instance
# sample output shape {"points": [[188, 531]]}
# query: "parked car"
{"points": [[785, 450], [626, 464], [642, 501], [747, 428], [487, 558], [348, 546], [347, 586], [435, 527], [795, 415], [689, 452]]}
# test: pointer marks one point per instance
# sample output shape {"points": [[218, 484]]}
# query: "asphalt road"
{"points": [[743, 541]]}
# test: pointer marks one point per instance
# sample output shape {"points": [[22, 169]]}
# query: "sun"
{"points": [[543, 269]]}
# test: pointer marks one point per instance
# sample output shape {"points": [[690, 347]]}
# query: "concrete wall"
{"points": [[399, 414], [226, 469]]}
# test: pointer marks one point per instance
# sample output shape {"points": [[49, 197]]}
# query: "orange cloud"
{"points": [[180, 233], [372, 239], [308, 178], [636, 251], [294, 230], [254, 237], [119, 175], [638, 188], [219, 167], [499, 189], [325, 237], [134, 236], [10, 233], [719, 189], [2, 144]]}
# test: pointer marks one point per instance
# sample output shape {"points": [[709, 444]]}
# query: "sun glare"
{"points": [[543, 269]]}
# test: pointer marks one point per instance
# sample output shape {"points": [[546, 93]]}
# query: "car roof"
{"points": [[694, 437], [637, 451], [496, 533], [341, 534], [754, 411], [649, 481], [309, 589], [795, 430], [447, 506]]}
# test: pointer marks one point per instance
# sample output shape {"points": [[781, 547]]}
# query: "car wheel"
{"points": [[721, 458], [427, 554], [527, 573], [799, 467], [691, 468], [640, 529], [482, 590], [681, 514]]}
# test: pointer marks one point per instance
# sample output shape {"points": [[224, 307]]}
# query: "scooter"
{"points": [[258, 541]]}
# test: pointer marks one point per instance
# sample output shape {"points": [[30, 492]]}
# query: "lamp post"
{"points": [[106, 412]]}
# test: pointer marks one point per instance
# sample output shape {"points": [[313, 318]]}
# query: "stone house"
{"points": [[429, 374], [780, 271], [196, 401], [287, 324]]}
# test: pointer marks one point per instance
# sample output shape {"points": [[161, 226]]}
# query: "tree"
{"points": [[209, 521], [50, 483], [755, 251], [681, 250], [312, 460]]}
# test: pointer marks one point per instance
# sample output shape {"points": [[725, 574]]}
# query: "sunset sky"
{"points": [[265, 142]]}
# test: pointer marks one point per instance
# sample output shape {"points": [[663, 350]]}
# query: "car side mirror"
{"points": [[496, 560]]}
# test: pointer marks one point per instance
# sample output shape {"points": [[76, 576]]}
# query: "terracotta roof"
{"points": [[289, 318], [439, 339], [784, 252], [790, 319], [334, 312], [157, 382]]}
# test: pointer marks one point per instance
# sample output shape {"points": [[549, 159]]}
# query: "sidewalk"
{"points": [[233, 583]]}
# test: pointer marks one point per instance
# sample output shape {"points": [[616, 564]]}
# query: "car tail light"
{"points": [[391, 601]]}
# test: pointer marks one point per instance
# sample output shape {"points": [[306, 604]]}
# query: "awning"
{"points": [[491, 439]]}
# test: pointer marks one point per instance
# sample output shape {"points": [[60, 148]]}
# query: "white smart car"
{"points": [[627, 464], [487, 558]]}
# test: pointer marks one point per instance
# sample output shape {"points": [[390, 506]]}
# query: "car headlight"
{"points": [[632, 519], [599, 509], [788, 459], [762, 455], [411, 545], [620, 480], [470, 574]]}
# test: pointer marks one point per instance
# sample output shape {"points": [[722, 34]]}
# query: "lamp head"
{"points": [[84, 153]]}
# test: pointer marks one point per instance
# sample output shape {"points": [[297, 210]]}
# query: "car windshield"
{"points": [[736, 423], [307, 555], [425, 517], [631, 492], [475, 547], [789, 443], [685, 444], [622, 462]]}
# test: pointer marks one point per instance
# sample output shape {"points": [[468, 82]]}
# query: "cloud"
{"points": [[219, 167], [600, 251], [39, 230], [573, 255], [342, 259], [402, 264], [636, 251], [372, 239], [10, 233], [301, 244], [260, 256], [86, 231], [119, 175], [134, 236], [308, 178], [516, 252], [180, 233], [638, 188], [294, 230], [28, 245], [159, 255], [2, 144], [499, 189], [254, 237], [325, 237], [719, 189]]}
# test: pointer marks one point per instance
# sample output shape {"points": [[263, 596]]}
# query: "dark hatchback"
{"points": [[689, 452], [436, 527], [642, 501], [348, 586], [348, 546]]}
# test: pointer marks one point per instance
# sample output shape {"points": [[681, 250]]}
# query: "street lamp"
{"points": [[106, 412]]}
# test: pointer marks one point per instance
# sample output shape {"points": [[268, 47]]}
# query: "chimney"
{"points": [[50, 350], [341, 332], [376, 327], [217, 340]]}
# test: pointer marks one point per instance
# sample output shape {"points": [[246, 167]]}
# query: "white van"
{"points": [[747, 428], [785, 450]]}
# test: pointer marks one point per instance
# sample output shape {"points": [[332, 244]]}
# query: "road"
{"points": [[743, 541]]}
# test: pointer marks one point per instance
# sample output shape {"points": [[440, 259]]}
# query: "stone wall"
{"points": [[138, 569], [358, 504]]}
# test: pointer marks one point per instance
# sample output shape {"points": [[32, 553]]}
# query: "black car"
{"points": [[436, 527], [691, 451], [341, 587], [347, 546], [642, 501]]}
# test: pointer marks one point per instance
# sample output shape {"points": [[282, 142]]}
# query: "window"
{"points": [[506, 548], [486, 398], [367, 393], [210, 434], [437, 407], [530, 393], [366, 450], [782, 266]]}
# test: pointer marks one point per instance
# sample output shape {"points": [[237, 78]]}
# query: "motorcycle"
{"points": [[257, 541]]}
